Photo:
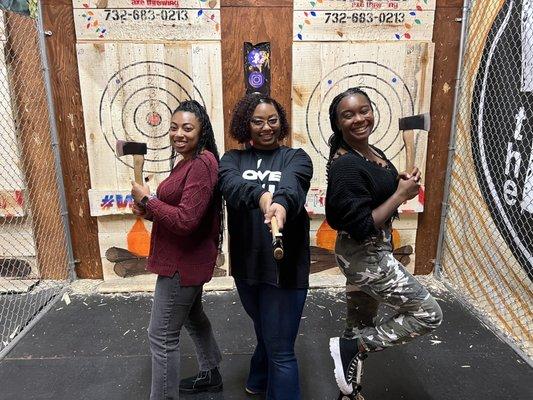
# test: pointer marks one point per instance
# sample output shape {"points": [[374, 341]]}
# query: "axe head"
{"points": [[124, 148], [419, 122]]}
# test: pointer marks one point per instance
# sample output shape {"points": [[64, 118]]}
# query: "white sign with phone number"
{"points": [[150, 24], [214, 4], [364, 4], [364, 20]]}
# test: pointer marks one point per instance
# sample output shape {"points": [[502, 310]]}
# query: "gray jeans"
{"points": [[374, 276], [175, 306]]}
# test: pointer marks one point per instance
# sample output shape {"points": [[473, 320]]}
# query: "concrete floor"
{"points": [[96, 348]]}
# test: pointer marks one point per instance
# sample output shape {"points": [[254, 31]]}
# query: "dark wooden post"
{"points": [[255, 21], [446, 36], [61, 45]]}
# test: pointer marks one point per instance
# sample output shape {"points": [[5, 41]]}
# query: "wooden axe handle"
{"points": [[276, 239], [409, 143], [138, 164], [275, 228]]}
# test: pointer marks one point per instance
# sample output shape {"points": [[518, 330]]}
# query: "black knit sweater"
{"points": [[356, 186]]}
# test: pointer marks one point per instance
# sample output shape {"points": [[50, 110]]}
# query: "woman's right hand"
{"points": [[265, 201], [408, 186], [139, 211]]}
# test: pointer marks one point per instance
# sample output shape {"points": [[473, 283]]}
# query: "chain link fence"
{"points": [[34, 250], [486, 247]]}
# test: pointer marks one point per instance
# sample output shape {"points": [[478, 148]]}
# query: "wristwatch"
{"points": [[145, 200]]}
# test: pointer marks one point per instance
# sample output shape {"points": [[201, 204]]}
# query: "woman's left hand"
{"points": [[414, 175], [278, 211], [139, 191]]}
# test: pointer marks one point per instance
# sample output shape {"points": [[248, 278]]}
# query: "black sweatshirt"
{"points": [[244, 176], [356, 186]]}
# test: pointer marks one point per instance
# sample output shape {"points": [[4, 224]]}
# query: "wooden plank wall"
{"points": [[137, 62], [394, 74], [446, 36], [58, 19], [386, 49], [255, 21], [240, 20]]}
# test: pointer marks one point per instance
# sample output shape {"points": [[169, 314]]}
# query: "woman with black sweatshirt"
{"points": [[261, 181], [363, 196]]}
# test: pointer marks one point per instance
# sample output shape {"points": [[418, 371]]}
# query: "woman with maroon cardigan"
{"points": [[183, 250]]}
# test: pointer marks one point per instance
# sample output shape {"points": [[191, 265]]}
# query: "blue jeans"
{"points": [[276, 315], [176, 306]]}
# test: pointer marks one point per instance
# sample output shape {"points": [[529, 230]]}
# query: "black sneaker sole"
{"points": [[209, 389]]}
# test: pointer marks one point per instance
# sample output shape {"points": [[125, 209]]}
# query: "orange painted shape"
{"points": [[139, 239], [326, 236], [396, 239]]}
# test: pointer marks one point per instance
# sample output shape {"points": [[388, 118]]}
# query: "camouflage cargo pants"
{"points": [[375, 276]]}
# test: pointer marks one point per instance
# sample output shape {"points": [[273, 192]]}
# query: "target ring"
{"points": [[140, 123], [390, 95], [137, 105]]}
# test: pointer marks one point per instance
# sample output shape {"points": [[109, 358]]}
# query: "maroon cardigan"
{"points": [[186, 222]]}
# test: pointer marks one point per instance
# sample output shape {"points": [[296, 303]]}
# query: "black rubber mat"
{"points": [[96, 348]]}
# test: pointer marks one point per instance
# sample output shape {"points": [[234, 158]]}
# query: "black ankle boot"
{"points": [[205, 381]]}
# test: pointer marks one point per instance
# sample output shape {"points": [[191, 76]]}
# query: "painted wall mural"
{"points": [[488, 247], [257, 67]]}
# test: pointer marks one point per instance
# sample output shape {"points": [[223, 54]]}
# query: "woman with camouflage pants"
{"points": [[364, 193]]}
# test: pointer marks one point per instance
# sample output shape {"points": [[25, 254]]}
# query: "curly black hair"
{"points": [[242, 115], [336, 141]]}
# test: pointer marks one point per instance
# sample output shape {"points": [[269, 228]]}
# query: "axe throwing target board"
{"points": [[137, 61], [383, 47]]}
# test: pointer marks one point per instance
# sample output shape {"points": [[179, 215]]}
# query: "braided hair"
{"points": [[336, 140], [242, 115], [205, 142]]}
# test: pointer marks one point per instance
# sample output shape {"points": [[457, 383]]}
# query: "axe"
{"points": [[408, 125], [138, 235], [277, 239], [137, 150]]}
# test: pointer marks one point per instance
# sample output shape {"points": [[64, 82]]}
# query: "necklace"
{"points": [[368, 159], [374, 152]]}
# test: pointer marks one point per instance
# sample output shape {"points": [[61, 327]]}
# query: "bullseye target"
{"points": [[137, 105], [390, 95]]}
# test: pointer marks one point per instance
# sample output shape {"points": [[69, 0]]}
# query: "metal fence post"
{"points": [[453, 136], [55, 141]]}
